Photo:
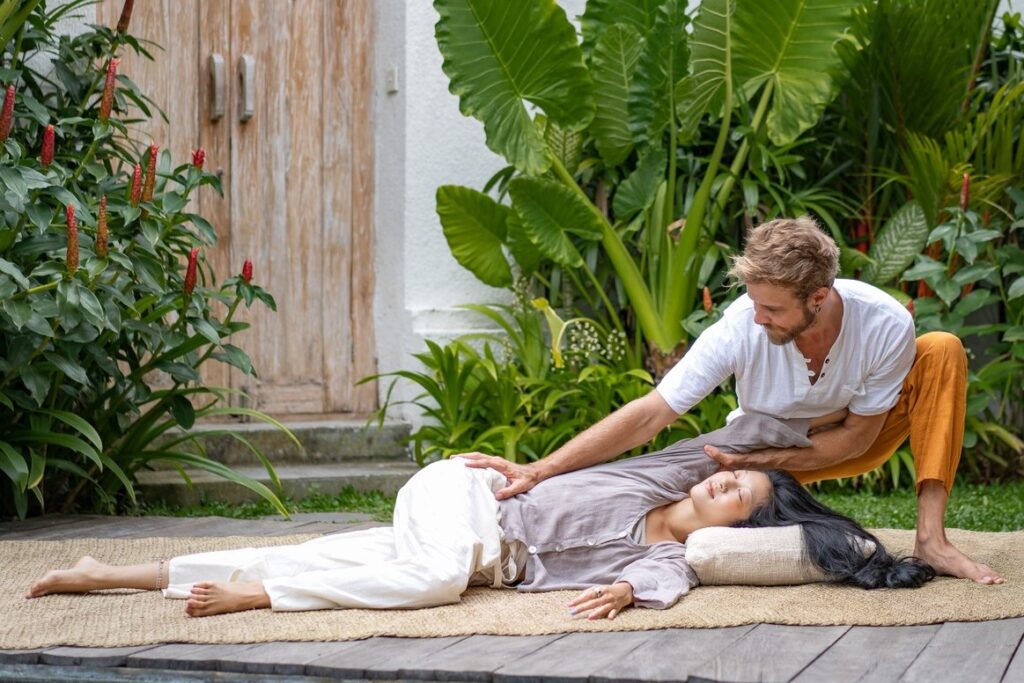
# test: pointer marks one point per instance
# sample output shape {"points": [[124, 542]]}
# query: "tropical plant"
{"points": [[619, 113], [512, 393], [103, 328]]}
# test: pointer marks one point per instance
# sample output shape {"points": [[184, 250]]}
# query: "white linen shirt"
{"points": [[863, 372]]}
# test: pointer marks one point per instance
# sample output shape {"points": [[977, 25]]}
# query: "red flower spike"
{"points": [[7, 114], [190, 271], [147, 189], [46, 155], [910, 307], [101, 229], [107, 101], [198, 158], [126, 16], [965, 192], [247, 271], [136, 191], [707, 300], [72, 254]]}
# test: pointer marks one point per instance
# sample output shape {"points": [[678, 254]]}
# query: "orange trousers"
{"points": [[931, 409]]}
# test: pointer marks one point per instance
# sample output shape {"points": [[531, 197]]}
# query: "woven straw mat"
{"points": [[125, 617]]}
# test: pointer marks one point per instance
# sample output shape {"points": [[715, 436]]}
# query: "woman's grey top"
{"points": [[577, 526]]}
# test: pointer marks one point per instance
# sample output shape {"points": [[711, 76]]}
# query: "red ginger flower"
{"points": [[910, 307], [126, 16], [198, 157], [136, 187], [101, 229], [72, 254], [965, 192], [707, 300], [147, 189], [247, 271], [190, 271], [46, 155], [107, 101], [7, 114]]}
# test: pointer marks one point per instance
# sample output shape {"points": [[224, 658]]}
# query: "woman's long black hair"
{"points": [[834, 542]]}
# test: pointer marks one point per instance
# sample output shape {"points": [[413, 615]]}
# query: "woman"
{"points": [[617, 529]]}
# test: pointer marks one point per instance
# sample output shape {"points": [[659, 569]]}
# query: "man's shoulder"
{"points": [[871, 304]]}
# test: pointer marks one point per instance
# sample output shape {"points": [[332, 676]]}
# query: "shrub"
{"points": [[103, 285]]}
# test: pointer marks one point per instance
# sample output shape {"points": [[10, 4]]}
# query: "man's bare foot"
{"points": [[945, 559], [81, 578], [210, 597]]}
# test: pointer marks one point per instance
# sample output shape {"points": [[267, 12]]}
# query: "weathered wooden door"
{"points": [[279, 92]]}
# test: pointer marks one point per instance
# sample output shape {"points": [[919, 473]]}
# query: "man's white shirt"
{"points": [[863, 372]]}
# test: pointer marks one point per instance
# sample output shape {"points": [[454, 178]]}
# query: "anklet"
{"points": [[159, 574]]}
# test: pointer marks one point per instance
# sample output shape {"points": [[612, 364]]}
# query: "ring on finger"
{"points": [[598, 592]]}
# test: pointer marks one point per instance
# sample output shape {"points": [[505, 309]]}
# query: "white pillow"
{"points": [[763, 556]]}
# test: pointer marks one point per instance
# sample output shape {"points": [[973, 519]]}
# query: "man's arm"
{"points": [[848, 440], [633, 424]]}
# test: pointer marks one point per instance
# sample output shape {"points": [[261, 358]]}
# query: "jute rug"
{"points": [[121, 618]]}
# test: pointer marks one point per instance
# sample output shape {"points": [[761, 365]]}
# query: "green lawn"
{"points": [[982, 508], [972, 506]]}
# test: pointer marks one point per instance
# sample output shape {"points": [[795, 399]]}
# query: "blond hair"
{"points": [[788, 252]]}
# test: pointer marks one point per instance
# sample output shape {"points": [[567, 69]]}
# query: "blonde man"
{"points": [[803, 344]]}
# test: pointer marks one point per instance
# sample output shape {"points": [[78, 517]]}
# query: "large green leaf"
{"points": [[615, 57], [548, 211], [566, 145], [498, 54], [475, 227], [520, 246], [662, 62], [637, 192], [902, 238], [710, 65], [792, 45], [601, 15]]}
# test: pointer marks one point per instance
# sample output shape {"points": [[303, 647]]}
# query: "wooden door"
{"points": [[297, 171]]}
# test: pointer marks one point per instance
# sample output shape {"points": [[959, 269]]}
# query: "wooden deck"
{"points": [[970, 652]]}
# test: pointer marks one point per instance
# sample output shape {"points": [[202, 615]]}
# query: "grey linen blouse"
{"points": [[576, 526]]}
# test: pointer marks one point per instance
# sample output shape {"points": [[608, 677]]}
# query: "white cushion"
{"points": [[764, 556]]}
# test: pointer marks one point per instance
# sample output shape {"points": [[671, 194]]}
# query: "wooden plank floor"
{"points": [[969, 652]]}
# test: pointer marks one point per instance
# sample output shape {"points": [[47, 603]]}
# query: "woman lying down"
{"points": [[616, 530]]}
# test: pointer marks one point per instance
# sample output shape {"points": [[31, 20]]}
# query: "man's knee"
{"points": [[940, 342]]}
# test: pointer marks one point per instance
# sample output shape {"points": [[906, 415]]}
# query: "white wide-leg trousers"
{"points": [[446, 536]]}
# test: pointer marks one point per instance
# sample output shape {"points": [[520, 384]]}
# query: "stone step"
{"points": [[324, 441], [298, 481]]}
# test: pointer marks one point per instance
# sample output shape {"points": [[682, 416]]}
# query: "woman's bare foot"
{"points": [[946, 560], [210, 597], [83, 577]]}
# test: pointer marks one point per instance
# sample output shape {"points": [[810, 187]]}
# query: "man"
{"points": [[802, 344]]}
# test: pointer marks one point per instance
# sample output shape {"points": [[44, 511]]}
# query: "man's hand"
{"points": [[521, 478], [733, 461], [850, 439], [602, 601]]}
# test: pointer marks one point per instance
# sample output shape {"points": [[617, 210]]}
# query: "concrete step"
{"points": [[298, 481], [324, 441]]}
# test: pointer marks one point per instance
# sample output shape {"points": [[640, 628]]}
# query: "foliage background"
{"points": [[640, 151], [103, 327]]}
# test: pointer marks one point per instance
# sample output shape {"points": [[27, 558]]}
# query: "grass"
{"points": [[997, 507], [349, 500]]}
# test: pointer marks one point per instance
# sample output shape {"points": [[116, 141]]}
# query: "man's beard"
{"points": [[785, 336]]}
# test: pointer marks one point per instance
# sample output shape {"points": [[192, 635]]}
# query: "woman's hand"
{"points": [[521, 478], [602, 601]]}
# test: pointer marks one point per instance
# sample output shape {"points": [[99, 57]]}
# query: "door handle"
{"points": [[216, 66], [247, 81]]}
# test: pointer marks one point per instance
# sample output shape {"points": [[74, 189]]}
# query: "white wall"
{"points": [[423, 142]]}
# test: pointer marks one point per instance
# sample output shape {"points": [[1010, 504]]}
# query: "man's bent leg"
{"points": [[931, 409]]}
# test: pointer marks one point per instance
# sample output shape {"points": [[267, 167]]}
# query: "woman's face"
{"points": [[725, 498]]}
